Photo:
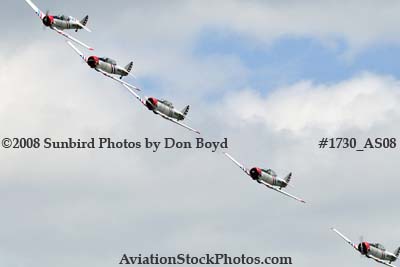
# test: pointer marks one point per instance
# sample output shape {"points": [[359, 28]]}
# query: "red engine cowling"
{"points": [[151, 103], [364, 247], [93, 61], [48, 20], [255, 173]]}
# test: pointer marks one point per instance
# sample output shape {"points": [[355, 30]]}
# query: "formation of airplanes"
{"points": [[109, 68], [374, 251]]}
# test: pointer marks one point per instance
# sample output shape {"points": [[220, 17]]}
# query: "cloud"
{"points": [[263, 22], [161, 44], [85, 208], [90, 207], [358, 103]]}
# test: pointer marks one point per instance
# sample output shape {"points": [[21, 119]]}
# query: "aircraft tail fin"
{"points": [[128, 67], [84, 21], [287, 178], [185, 110]]}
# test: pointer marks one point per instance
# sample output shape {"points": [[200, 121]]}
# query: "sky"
{"points": [[274, 77]]}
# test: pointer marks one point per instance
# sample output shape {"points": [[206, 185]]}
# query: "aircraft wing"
{"points": [[237, 163], [71, 38], [380, 261], [77, 51], [135, 95], [281, 191], [345, 238], [177, 122], [117, 80], [36, 9]]}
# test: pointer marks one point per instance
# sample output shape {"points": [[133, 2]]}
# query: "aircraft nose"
{"points": [[151, 103], [48, 20], [255, 173], [92, 61], [363, 248]]}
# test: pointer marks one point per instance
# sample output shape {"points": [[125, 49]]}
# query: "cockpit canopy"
{"points": [[167, 103], [379, 246], [270, 172], [108, 60], [62, 17]]}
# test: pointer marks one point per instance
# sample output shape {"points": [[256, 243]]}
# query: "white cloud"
{"points": [[359, 24], [85, 208], [360, 103], [90, 207]]}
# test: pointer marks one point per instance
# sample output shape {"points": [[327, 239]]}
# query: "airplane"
{"points": [[268, 178], [62, 22], [106, 66], [164, 108], [375, 251]]}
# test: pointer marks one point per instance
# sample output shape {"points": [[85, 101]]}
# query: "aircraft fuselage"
{"points": [[156, 105], [98, 63], [368, 249], [262, 175], [61, 24]]}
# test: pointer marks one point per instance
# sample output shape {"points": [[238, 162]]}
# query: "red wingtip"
{"points": [[91, 49]]}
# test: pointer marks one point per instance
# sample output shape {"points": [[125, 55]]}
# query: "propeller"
{"points": [[361, 240], [46, 19], [44, 26], [147, 102]]}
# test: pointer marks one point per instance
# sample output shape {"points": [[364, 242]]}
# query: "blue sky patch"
{"points": [[291, 59]]}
